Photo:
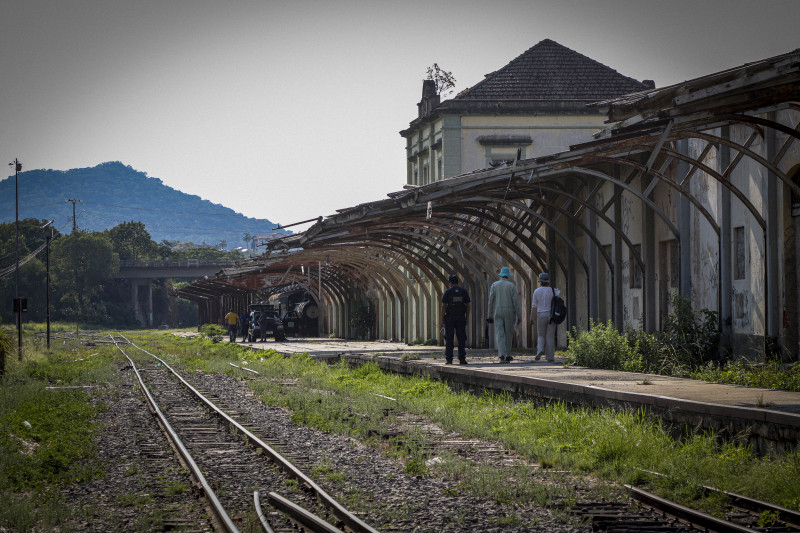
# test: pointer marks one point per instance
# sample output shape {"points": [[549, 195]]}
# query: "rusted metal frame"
{"points": [[752, 155], [740, 154], [696, 166], [499, 248], [431, 248], [390, 283], [472, 266], [496, 246], [566, 240], [482, 214], [533, 234], [726, 183], [785, 148], [586, 203], [638, 194], [369, 240], [446, 229], [500, 252], [750, 119], [478, 236], [411, 257], [415, 247], [590, 234], [380, 240], [352, 281], [356, 263]]}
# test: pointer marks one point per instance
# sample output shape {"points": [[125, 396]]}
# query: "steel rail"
{"points": [[218, 511], [681, 512], [306, 520], [745, 502], [350, 520], [260, 512]]}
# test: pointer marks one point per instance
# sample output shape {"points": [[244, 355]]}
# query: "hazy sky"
{"points": [[291, 110]]}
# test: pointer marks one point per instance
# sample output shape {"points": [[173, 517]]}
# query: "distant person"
{"points": [[541, 306], [232, 320], [455, 315], [244, 325], [504, 313]]}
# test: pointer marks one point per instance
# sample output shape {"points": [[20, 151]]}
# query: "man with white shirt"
{"points": [[546, 331]]}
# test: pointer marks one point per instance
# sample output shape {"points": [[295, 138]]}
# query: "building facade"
{"points": [[537, 104]]}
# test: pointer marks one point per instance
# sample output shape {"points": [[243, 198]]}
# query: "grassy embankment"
{"points": [[47, 426], [613, 447]]}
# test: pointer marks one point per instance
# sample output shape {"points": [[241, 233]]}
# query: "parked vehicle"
{"points": [[265, 322]]}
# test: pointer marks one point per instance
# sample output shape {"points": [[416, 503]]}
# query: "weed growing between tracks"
{"points": [[611, 445]]}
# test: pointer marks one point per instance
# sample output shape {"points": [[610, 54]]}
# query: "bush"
{"points": [[602, 346], [214, 332], [693, 339], [689, 341]]}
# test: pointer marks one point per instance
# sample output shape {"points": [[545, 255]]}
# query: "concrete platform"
{"points": [[769, 418]]}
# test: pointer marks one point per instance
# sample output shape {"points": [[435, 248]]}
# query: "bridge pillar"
{"points": [[142, 310]]}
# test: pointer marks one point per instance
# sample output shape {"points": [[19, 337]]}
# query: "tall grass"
{"points": [[614, 446], [46, 430]]}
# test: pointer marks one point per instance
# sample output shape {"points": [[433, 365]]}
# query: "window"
{"points": [[636, 273], [739, 253], [497, 155]]}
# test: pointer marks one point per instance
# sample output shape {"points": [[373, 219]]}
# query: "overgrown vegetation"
{"points": [[689, 341], [47, 430], [614, 446], [363, 402], [362, 319]]}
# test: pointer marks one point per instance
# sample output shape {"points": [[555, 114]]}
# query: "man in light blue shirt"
{"points": [[505, 311]]}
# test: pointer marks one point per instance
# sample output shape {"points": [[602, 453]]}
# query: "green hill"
{"points": [[112, 193]]}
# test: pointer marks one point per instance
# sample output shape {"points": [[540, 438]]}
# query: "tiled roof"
{"points": [[550, 71]]}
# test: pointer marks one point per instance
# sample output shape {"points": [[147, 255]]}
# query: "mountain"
{"points": [[112, 193]]}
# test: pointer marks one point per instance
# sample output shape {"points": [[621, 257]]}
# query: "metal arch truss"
{"points": [[568, 213]]}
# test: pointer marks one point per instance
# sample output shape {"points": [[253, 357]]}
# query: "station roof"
{"points": [[449, 224]]}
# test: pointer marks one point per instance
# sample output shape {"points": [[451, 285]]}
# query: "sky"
{"points": [[292, 110]]}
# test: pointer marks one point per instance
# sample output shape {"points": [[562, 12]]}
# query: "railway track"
{"points": [[262, 496], [649, 513], [230, 463]]}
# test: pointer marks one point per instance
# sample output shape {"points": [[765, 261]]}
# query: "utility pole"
{"points": [[48, 235], [74, 218], [17, 300]]}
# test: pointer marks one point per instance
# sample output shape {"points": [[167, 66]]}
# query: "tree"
{"points": [[83, 266], [131, 241], [444, 80]]}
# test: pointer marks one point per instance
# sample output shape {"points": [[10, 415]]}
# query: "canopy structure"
{"points": [[692, 189]]}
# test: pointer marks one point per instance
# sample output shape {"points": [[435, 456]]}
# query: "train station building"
{"points": [[625, 193]]}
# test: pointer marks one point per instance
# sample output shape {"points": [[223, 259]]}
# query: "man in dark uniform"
{"points": [[455, 314]]}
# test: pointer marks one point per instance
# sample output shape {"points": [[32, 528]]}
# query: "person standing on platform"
{"points": [[504, 313], [541, 306], [244, 326], [232, 320], [455, 315]]}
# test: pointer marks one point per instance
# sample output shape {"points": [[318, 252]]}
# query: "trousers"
{"points": [[546, 333], [455, 326], [504, 322]]}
